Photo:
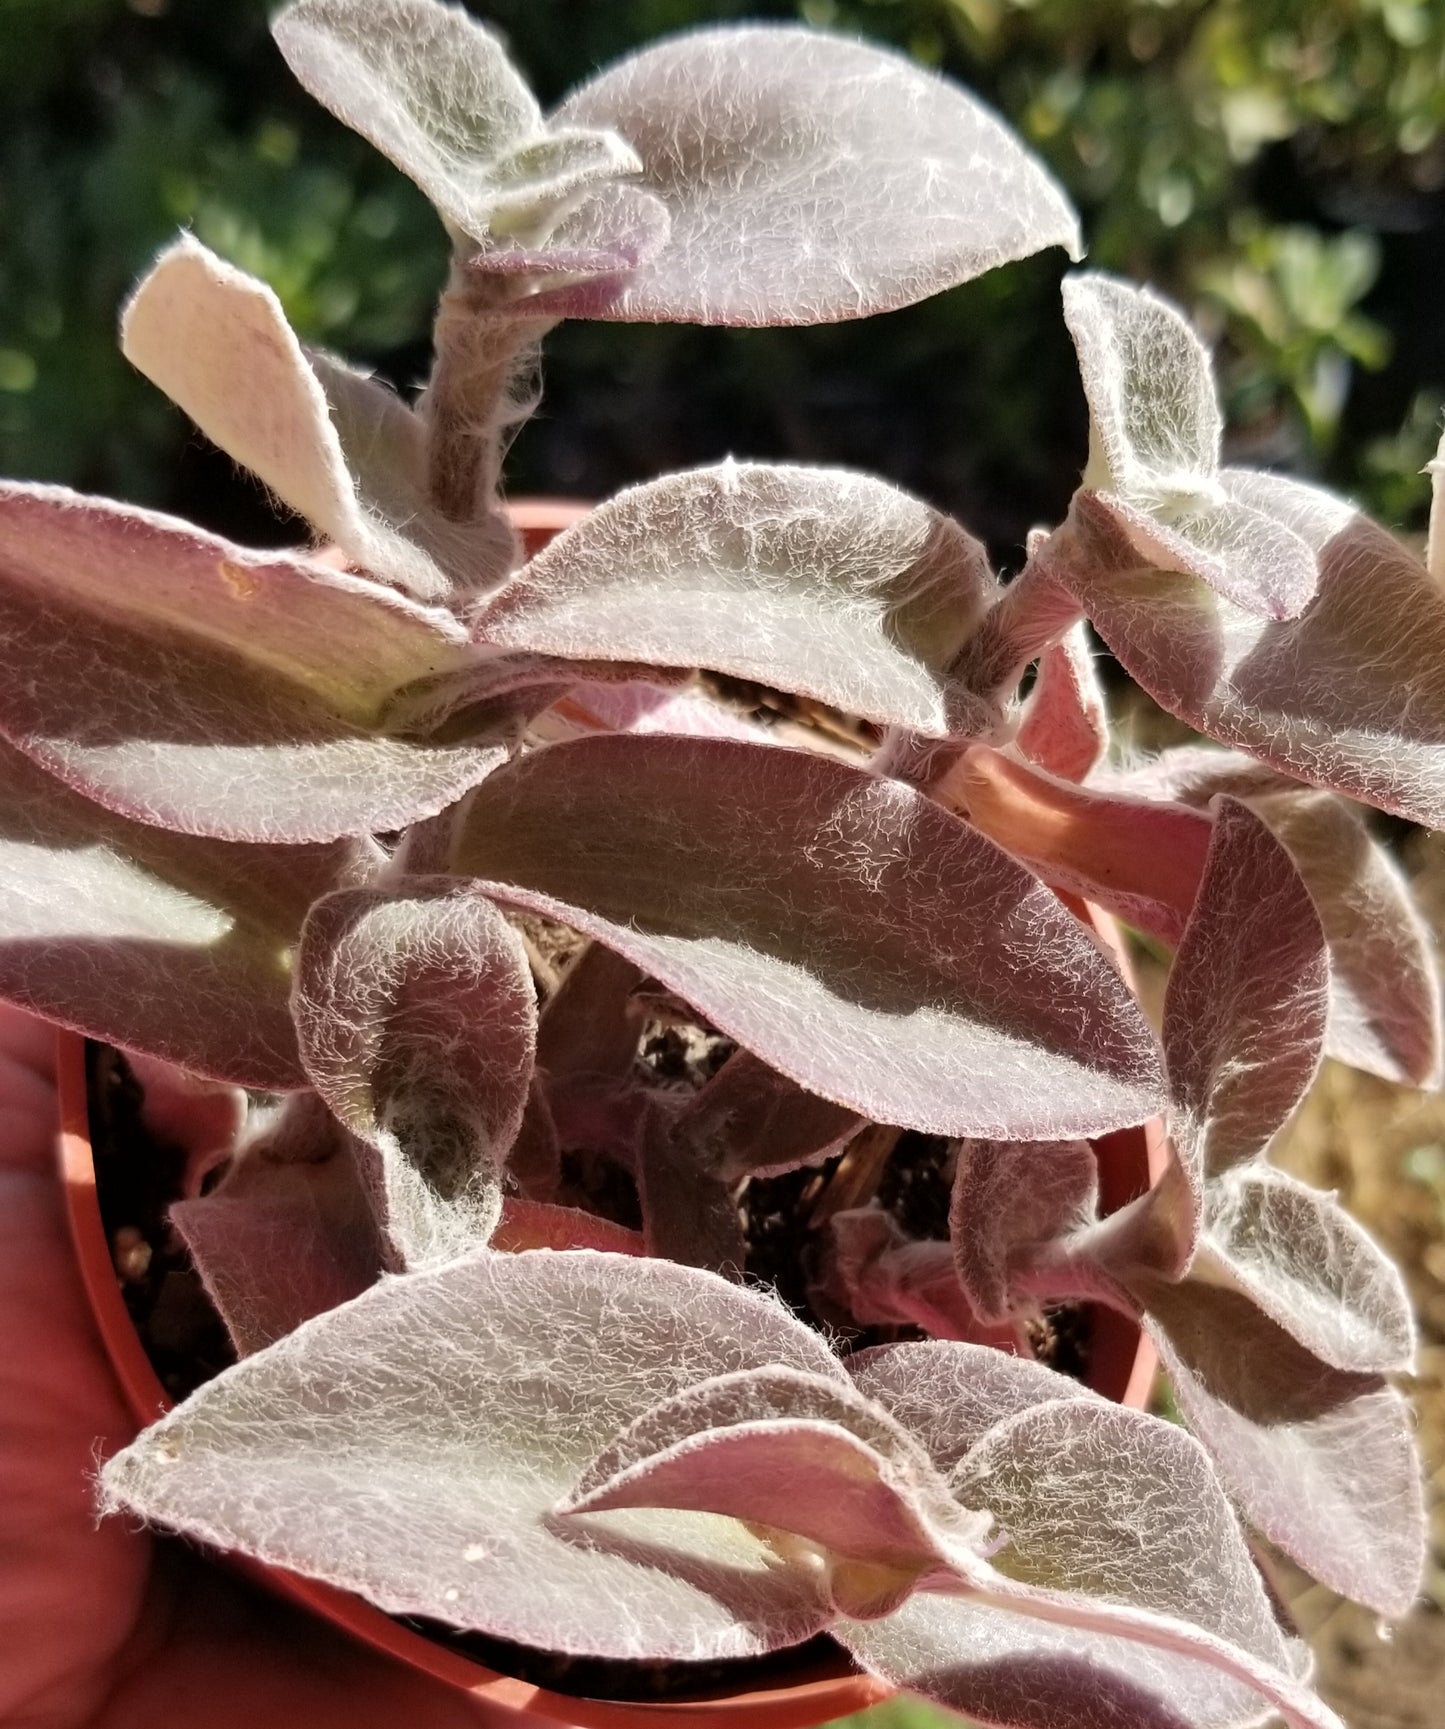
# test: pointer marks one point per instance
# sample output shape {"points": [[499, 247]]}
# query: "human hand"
{"points": [[102, 1626]]}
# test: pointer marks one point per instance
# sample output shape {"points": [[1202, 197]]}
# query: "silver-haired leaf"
{"points": [[1350, 696], [811, 178], [1064, 727], [288, 1233], [417, 1022], [343, 451], [813, 580], [181, 680], [845, 929], [1247, 1001], [426, 1479], [1010, 1200], [1300, 1257], [1155, 431], [433, 90], [157, 942], [1322, 1460]]}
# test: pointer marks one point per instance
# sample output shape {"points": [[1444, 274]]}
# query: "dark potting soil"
{"points": [[137, 1180]]}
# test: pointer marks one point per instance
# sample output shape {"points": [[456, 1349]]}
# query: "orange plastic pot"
{"points": [[1122, 1367]]}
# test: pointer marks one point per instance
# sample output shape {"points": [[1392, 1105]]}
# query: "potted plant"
{"points": [[666, 1152]]}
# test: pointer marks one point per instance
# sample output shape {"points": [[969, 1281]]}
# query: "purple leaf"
{"points": [[950, 1395], [542, 1225], [785, 897], [1323, 1461], [1301, 1258], [1135, 857], [812, 580], [804, 1455], [160, 943], [437, 1499], [1065, 724], [433, 90], [1011, 1199], [288, 1233], [1350, 696], [688, 1214], [1115, 1524], [880, 1276], [230, 693], [341, 450], [1247, 1000], [633, 706], [749, 1120], [1384, 981], [417, 1023], [810, 178], [1155, 432]]}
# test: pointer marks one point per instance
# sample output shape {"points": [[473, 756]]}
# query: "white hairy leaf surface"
{"points": [[1064, 727], [950, 1395], [1350, 696], [801, 1454], [342, 450], [883, 1277], [811, 178], [433, 90], [813, 580], [1010, 1200], [1322, 1460], [179, 679], [1139, 858], [1385, 994], [635, 706], [748, 1120], [1123, 1590], [1155, 431], [1247, 1001], [417, 1023], [288, 1233], [1300, 1257], [426, 1478], [845, 929], [161, 943]]}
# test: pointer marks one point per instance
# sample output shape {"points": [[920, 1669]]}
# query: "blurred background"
{"points": [[1278, 166]]}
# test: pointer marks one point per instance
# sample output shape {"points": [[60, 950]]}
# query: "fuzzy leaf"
{"points": [[1010, 1199], [1247, 1000], [811, 178], [812, 580], [541, 1225], [183, 681], [879, 1276], [417, 1022], [688, 1215], [161, 943], [845, 929], [340, 449], [1350, 696], [1065, 724], [950, 1395], [426, 1479], [637, 707], [1301, 1258], [1136, 857], [749, 1120], [1155, 432], [804, 1455], [1323, 1461], [1384, 980], [288, 1233], [433, 91]]}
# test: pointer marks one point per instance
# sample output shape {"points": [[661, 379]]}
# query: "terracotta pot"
{"points": [[1122, 1367]]}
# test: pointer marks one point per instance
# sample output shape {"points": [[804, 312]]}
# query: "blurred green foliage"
{"points": [[1276, 164]]}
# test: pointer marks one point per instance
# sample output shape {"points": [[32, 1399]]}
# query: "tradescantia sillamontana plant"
{"points": [[469, 1386]]}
